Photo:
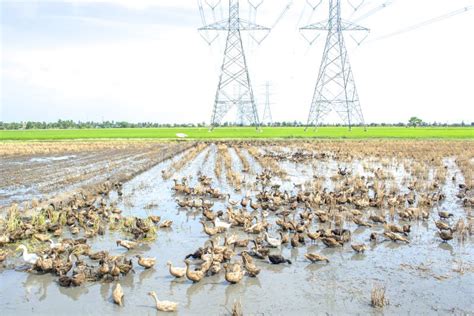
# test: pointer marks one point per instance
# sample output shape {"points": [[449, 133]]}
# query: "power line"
{"points": [[423, 24]]}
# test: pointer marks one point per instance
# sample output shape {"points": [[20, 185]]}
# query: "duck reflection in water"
{"points": [[39, 282]]}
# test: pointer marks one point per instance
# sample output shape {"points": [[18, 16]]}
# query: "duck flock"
{"points": [[245, 228]]}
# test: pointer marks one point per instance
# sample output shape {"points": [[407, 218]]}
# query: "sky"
{"points": [[144, 60]]}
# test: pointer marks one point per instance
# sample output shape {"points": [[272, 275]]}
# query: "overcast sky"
{"points": [[143, 60]]}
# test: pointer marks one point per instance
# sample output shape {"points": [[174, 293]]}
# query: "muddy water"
{"points": [[420, 278]]}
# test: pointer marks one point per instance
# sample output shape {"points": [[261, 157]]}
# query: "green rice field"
{"points": [[244, 133]]}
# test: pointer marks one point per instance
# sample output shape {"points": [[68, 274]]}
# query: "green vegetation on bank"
{"points": [[243, 132]]}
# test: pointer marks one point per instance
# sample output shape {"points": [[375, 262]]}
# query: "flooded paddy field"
{"points": [[389, 225]]}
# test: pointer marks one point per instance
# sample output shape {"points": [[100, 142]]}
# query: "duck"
{"points": [[182, 203], [359, 247], [377, 219], [442, 225], [209, 214], [64, 281], [79, 277], [445, 214], [117, 295], [166, 224], [295, 241], [395, 237], [242, 243], [155, 218], [41, 237], [194, 276], [233, 273], [215, 268], [125, 266], [30, 258], [244, 202], [44, 265], [249, 265], [103, 269], [284, 238], [272, 242], [127, 244], [210, 231], [218, 223], [254, 206], [446, 235], [175, 271], [100, 255], [360, 222], [258, 251], [196, 255], [373, 236], [147, 263], [394, 228], [115, 271], [314, 257], [278, 259], [313, 236], [61, 267], [231, 202], [4, 239], [163, 306], [331, 242]]}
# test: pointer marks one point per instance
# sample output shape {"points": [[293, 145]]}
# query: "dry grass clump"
{"points": [[206, 157], [189, 156], [377, 296], [219, 161], [232, 177], [465, 163], [267, 163], [243, 159], [49, 148]]}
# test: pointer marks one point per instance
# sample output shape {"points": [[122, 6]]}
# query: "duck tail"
{"points": [[289, 261]]}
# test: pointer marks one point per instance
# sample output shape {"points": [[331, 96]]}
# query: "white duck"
{"points": [[219, 223], [53, 244], [30, 258], [164, 306], [231, 202], [273, 242]]}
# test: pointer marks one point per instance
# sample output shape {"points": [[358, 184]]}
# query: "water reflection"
{"points": [[74, 292], [447, 247], [358, 256], [40, 283], [232, 292], [145, 274], [105, 288]]}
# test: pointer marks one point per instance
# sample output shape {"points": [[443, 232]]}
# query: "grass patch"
{"points": [[243, 133]]}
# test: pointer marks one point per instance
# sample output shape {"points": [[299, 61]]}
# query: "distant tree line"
{"points": [[69, 124]]}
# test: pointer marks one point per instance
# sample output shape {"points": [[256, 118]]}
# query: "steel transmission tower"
{"points": [[267, 113], [234, 72], [335, 88]]}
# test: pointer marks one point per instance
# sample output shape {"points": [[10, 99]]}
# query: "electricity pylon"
{"points": [[267, 113], [335, 88], [234, 72]]}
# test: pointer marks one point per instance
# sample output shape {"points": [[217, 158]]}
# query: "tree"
{"points": [[415, 121]]}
